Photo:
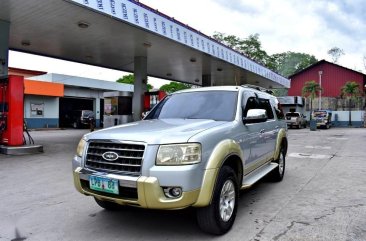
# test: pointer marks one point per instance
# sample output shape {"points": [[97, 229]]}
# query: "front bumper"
{"points": [[141, 191]]}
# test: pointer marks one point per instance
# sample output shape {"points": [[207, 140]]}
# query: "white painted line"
{"points": [[319, 147], [311, 156], [337, 138]]}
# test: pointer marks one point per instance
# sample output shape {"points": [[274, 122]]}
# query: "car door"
{"points": [[268, 130], [251, 134]]}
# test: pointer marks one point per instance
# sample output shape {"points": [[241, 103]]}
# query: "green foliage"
{"points": [[127, 79], [350, 89], [279, 92], [174, 86], [289, 63], [310, 90], [286, 63], [250, 46], [130, 79], [335, 53]]}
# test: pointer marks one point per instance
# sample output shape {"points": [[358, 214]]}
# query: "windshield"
{"points": [[291, 114], [212, 105]]}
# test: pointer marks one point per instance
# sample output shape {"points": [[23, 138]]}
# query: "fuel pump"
{"points": [[11, 110], [152, 98]]}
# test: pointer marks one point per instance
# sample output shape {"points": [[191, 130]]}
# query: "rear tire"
{"points": [[277, 174], [110, 206], [219, 216]]}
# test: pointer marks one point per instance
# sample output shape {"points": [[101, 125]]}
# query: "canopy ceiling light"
{"points": [[83, 24]]}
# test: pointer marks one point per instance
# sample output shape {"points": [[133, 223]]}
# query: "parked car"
{"points": [[80, 118], [296, 119], [195, 148], [323, 118]]}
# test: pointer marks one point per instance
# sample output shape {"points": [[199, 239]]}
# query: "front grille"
{"points": [[128, 159]]}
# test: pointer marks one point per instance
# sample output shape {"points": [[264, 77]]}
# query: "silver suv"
{"points": [[196, 148]]}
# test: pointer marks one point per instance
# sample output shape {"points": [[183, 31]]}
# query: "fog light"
{"points": [[172, 192]]}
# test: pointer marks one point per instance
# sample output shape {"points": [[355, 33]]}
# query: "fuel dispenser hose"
{"points": [[26, 132]]}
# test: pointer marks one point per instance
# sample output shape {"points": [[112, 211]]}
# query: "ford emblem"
{"points": [[110, 156]]}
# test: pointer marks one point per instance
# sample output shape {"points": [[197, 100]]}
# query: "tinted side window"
{"points": [[259, 103], [252, 103], [278, 108], [264, 104]]}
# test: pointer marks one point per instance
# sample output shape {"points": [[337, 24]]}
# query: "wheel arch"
{"points": [[226, 153], [281, 142]]}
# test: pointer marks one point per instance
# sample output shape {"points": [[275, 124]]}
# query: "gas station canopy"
{"points": [[112, 33]]}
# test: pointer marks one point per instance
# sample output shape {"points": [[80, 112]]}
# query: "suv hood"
{"points": [[157, 131]]}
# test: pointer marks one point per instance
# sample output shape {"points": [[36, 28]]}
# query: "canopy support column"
{"points": [[140, 87], [4, 47]]}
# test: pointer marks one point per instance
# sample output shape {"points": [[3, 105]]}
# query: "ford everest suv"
{"points": [[196, 148]]}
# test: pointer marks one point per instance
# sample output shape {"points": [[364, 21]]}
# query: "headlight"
{"points": [[182, 154], [80, 148]]}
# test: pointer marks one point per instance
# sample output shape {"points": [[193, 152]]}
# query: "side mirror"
{"points": [[255, 116]]}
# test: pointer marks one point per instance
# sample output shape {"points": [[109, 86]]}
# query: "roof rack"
{"points": [[256, 87]]}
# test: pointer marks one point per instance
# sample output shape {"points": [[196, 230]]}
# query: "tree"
{"points": [[130, 79], [286, 63], [289, 63], [229, 40], [351, 90], [174, 86], [310, 90], [250, 46], [335, 53]]}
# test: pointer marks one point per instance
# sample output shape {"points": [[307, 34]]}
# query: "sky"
{"points": [[307, 26]]}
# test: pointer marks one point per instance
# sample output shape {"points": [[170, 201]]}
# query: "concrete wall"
{"points": [[41, 111]]}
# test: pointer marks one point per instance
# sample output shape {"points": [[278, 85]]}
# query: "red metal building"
{"points": [[332, 77]]}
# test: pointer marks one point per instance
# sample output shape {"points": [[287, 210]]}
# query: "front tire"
{"points": [[219, 216]]}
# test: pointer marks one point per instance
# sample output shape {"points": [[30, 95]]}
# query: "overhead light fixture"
{"points": [[26, 43], [83, 24], [147, 44]]}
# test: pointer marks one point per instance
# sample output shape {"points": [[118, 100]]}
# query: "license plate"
{"points": [[103, 184]]}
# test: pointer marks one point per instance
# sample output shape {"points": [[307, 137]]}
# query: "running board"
{"points": [[256, 175]]}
